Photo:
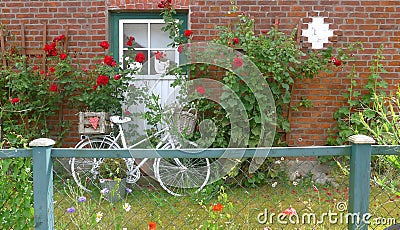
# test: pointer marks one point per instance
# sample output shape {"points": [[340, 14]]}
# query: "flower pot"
{"points": [[115, 189]]}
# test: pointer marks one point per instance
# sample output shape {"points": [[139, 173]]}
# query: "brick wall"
{"points": [[374, 23]]}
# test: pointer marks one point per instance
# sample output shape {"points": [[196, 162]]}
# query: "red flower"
{"points": [[217, 207], [108, 60], [236, 41], [200, 90], [41, 71], [15, 100], [104, 44], [53, 88], [152, 226], [117, 77], [159, 55], [35, 67], [337, 62], [52, 69], [180, 48], [59, 38], [165, 4], [63, 56], [140, 57], [188, 33], [277, 23], [315, 188], [102, 80], [237, 62], [51, 49], [130, 41]]}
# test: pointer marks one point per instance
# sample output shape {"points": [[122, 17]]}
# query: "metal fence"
{"points": [[337, 203]]}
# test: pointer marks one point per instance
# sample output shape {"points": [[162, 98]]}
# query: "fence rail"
{"points": [[360, 152]]}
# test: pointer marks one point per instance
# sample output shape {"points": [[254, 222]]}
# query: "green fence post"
{"points": [[43, 183], [359, 186]]}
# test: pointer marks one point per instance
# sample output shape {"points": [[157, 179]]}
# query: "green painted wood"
{"points": [[313, 151], [14, 153], [359, 186], [385, 150], [43, 187]]}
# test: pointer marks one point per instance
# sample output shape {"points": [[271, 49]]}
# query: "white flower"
{"points": [[295, 183], [278, 162], [274, 184], [282, 158], [126, 207], [99, 215]]}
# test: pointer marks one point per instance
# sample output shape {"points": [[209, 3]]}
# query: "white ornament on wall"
{"points": [[318, 32]]}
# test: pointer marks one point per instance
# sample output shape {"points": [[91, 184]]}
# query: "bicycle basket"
{"points": [[185, 121]]}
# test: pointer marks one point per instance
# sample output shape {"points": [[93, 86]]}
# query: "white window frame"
{"points": [[121, 47]]}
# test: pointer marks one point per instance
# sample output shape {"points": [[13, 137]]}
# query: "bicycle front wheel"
{"points": [[85, 170], [179, 176]]}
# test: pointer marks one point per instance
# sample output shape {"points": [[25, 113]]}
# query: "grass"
{"points": [[249, 207]]}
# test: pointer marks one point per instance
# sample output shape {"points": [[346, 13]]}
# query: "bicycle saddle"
{"points": [[119, 119]]}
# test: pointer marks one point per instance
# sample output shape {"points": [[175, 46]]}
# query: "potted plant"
{"points": [[112, 174]]}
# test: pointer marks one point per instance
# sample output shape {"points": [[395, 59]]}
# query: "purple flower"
{"points": [[71, 209], [82, 199], [128, 190], [104, 191]]}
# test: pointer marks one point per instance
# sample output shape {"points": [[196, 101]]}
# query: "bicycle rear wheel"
{"points": [[85, 170], [180, 176]]}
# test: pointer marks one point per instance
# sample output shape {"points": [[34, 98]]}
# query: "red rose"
{"points": [[53, 88], [15, 100], [104, 44], [108, 60], [188, 33], [51, 49], [236, 41], [200, 90], [337, 62], [217, 207], [237, 62], [41, 71], [63, 56], [102, 80], [140, 57], [160, 5], [117, 77], [59, 38], [35, 67], [130, 41], [52, 69], [180, 49], [159, 55]]}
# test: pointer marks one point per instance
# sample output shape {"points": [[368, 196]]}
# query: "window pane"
{"points": [[139, 31], [143, 67], [159, 38], [159, 66]]}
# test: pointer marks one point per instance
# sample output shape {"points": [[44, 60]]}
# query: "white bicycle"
{"points": [[175, 175]]}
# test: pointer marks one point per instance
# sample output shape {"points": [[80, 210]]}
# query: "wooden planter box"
{"points": [[86, 127]]}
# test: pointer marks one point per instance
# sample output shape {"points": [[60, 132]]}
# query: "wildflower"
{"points": [[200, 90], [99, 216], [63, 56], [315, 188], [128, 190], [104, 44], [236, 40], [187, 33], [104, 191], [82, 199], [140, 57], [102, 80], [237, 62], [130, 41], [117, 77], [71, 209], [278, 162], [152, 226], [53, 88], [126, 207], [289, 211], [274, 184], [15, 100], [295, 183], [218, 207]]}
